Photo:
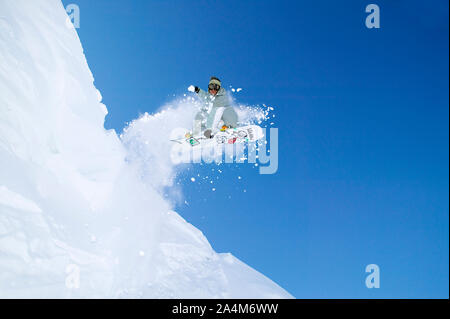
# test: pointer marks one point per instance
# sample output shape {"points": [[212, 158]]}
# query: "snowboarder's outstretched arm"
{"points": [[202, 94]]}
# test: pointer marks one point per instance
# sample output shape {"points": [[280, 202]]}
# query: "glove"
{"points": [[193, 89], [208, 133]]}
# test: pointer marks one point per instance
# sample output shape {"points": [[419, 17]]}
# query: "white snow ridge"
{"points": [[76, 221]]}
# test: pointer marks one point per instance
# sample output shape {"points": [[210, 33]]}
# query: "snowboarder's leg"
{"points": [[198, 121], [230, 117]]}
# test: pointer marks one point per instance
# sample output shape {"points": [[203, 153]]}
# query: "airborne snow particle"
{"points": [[122, 197]]}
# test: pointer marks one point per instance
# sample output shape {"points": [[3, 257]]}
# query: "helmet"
{"points": [[214, 84]]}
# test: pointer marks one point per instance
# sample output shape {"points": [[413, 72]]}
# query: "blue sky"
{"points": [[363, 126]]}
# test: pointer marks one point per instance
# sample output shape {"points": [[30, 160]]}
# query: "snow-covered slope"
{"points": [[75, 220]]}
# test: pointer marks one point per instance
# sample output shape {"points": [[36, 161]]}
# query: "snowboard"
{"points": [[249, 133]]}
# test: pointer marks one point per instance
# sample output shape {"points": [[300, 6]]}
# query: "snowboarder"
{"points": [[217, 113]]}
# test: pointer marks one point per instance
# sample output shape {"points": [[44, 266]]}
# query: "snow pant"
{"points": [[229, 118]]}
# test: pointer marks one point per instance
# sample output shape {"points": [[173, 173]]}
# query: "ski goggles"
{"points": [[214, 86]]}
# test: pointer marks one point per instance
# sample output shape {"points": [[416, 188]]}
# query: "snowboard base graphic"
{"points": [[250, 133]]}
